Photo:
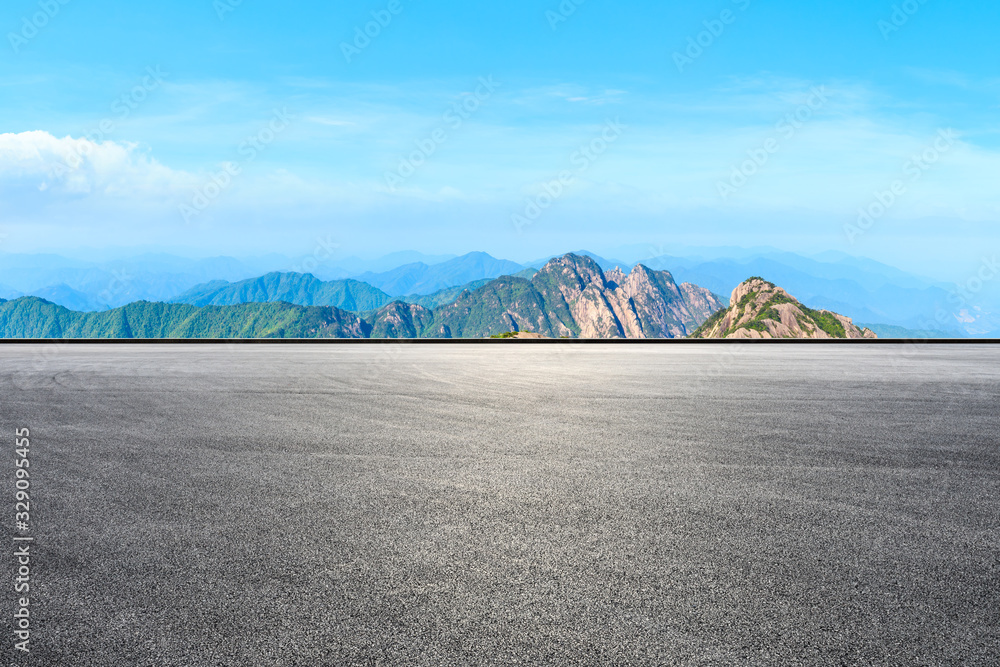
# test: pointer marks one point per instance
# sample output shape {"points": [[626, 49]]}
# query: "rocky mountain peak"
{"points": [[760, 309], [581, 268], [753, 285], [616, 275]]}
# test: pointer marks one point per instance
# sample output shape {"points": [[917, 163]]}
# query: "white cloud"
{"points": [[80, 167], [329, 170]]}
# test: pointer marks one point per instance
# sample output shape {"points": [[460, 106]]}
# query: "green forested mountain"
{"points": [[301, 289], [570, 296], [307, 290], [400, 320], [445, 296], [31, 317]]}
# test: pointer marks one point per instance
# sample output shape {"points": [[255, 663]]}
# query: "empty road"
{"points": [[502, 504]]}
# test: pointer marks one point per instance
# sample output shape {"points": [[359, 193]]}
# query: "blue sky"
{"points": [[519, 128]]}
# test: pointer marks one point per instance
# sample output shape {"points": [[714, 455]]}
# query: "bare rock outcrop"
{"points": [[641, 304], [760, 309], [572, 297]]}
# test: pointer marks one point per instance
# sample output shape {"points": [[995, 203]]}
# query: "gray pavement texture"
{"points": [[463, 505]]}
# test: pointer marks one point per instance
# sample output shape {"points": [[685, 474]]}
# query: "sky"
{"points": [[518, 128]]}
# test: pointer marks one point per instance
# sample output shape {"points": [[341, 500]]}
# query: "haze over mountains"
{"points": [[870, 292], [569, 297], [879, 296], [761, 309], [295, 288], [419, 278]]}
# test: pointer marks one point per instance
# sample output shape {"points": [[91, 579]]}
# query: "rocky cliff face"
{"points": [[400, 320], [572, 297], [759, 309], [578, 288]]}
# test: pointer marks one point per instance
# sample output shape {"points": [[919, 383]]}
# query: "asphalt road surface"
{"points": [[511, 504]]}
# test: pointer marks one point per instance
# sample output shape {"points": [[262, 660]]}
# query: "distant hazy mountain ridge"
{"points": [[571, 296], [420, 279], [296, 288], [760, 309], [868, 290], [897, 303]]}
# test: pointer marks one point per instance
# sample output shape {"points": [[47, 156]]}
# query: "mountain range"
{"points": [[569, 297], [869, 291], [295, 288], [572, 297], [882, 297], [31, 317], [420, 279], [760, 309]]}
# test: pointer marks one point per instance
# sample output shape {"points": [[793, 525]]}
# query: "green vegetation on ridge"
{"points": [[301, 289], [761, 305], [710, 323], [31, 317], [826, 321], [568, 296]]}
